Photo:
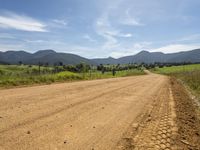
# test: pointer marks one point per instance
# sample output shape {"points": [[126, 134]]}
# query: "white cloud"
{"points": [[122, 53], [116, 54], [113, 46], [60, 21], [176, 48], [127, 35], [89, 38], [141, 45], [127, 19], [131, 49], [104, 29], [35, 41], [21, 22], [109, 33]]}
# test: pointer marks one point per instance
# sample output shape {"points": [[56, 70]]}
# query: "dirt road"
{"points": [[99, 114]]}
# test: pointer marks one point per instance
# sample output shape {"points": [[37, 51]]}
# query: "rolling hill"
{"points": [[151, 57], [43, 56], [51, 57]]}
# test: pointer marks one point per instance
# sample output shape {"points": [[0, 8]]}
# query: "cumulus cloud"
{"points": [[11, 20]]}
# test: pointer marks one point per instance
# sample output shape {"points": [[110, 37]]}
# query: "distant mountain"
{"points": [[151, 57], [52, 57], [13, 57], [108, 60], [43, 56], [143, 56], [189, 56]]}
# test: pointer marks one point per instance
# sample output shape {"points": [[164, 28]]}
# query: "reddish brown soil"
{"points": [[142, 112], [187, 121]]}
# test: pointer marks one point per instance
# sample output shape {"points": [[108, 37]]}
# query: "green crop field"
{"points": [[15, 75], [189, 74]]}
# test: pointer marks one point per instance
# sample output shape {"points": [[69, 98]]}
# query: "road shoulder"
{"points": [[187, 120], [169, 123]]}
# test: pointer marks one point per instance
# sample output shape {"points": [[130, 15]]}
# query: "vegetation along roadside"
{"points": [[185, 83], [17, 75], [187, 74]]}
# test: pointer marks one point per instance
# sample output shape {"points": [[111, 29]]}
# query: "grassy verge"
{"points": [[188, 74], [14, 75], [99, 75]]}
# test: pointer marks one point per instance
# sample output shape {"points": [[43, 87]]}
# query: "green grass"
{"points": [[99, 75], [189, 74], [14, 75], [177, 69]]}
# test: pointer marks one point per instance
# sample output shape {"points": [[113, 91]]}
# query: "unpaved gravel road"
{"points": [[98, 114]]}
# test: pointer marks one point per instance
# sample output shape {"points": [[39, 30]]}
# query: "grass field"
{"points": [[15, 75], [189, 74]]}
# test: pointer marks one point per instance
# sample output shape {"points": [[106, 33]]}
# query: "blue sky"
{"points": [[100, 28]]}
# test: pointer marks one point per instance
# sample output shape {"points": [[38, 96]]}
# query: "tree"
{"points": [[20, 63], [60, 63], [82, 67], [39, 65], [113, 71], [46, 64]]}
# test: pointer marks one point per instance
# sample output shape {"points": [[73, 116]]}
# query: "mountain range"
{"points": [[51, 57], [43, 56]]}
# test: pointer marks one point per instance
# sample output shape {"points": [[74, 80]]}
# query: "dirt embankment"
{"points": [[187, 120]]}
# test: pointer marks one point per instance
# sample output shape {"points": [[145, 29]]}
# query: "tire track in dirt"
{"points": [[156, 128], [112, 94], [72, 89], [83, 99], [95, 115], [66, 107]]}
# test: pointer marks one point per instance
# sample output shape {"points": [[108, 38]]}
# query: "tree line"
{"points": [[84, 68]]}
